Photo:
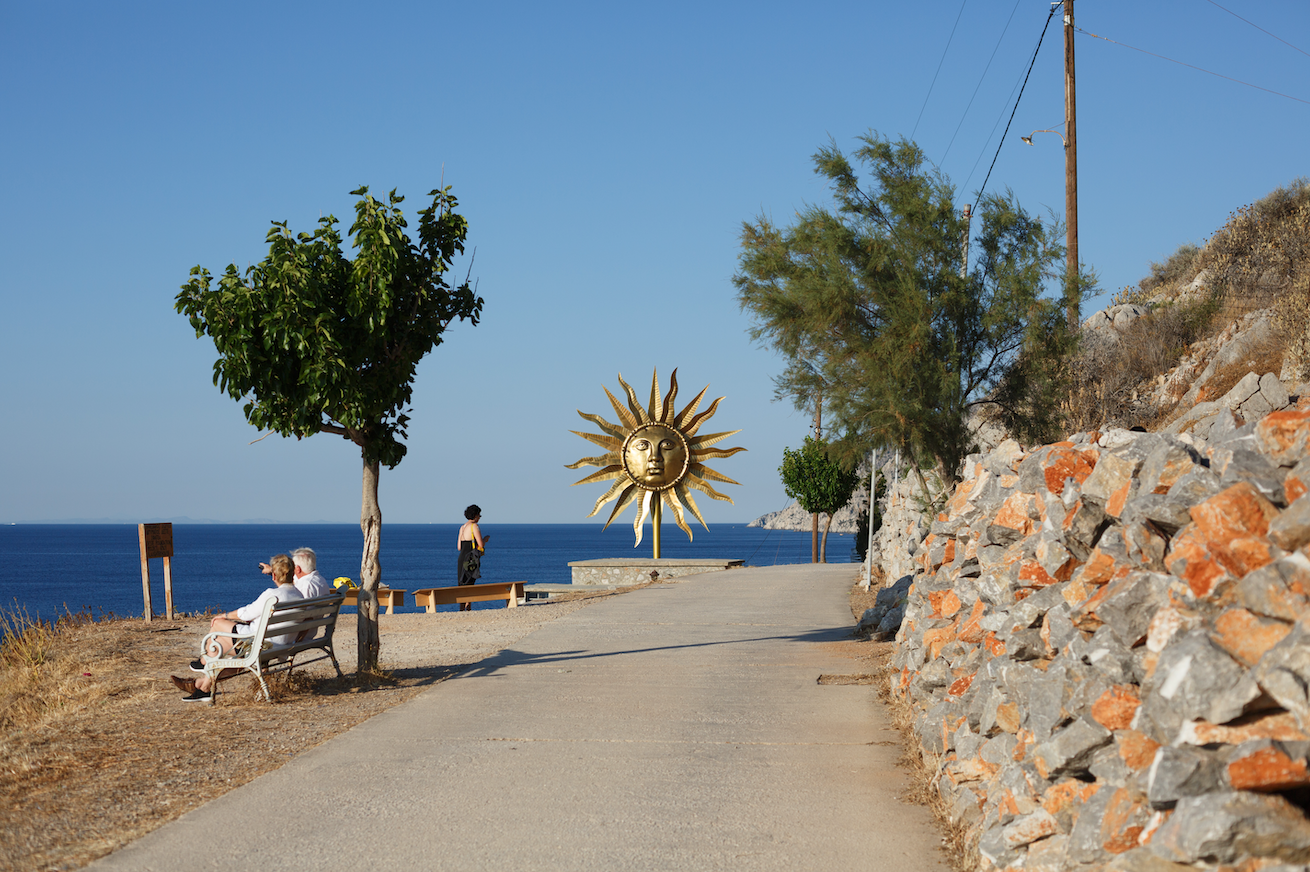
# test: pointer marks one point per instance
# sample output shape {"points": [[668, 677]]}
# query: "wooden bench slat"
{"points": [[431, 597], [387, 596]]}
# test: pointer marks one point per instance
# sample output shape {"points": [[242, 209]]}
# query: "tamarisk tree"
{"points": [[873, 303], [315, 342]]}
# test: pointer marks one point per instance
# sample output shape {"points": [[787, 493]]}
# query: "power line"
{"points": [[1016, 102], [973, 96], [1194, 67], [1258, 27], [945, 52]]}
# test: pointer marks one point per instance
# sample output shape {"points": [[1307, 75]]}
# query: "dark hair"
{"points": [[472, 512]]}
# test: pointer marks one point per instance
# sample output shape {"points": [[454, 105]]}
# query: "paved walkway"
{"points": [[678, 727]]}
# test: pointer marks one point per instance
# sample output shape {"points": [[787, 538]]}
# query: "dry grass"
{"points": [[96, 750], [39, 677], [875, 661], [1267, 357]]}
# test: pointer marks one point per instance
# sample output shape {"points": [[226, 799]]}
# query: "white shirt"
{"points": [[312, 584], [249, 614]]}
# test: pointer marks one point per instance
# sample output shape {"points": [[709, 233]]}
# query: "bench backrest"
{"points": [[307, 616]]}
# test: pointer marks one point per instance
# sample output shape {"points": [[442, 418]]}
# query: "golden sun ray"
{"points": [[655, 456]]}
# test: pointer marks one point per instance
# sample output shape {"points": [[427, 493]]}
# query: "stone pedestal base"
{"points": [[636, 570]]}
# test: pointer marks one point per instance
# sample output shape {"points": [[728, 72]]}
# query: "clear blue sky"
{"points": [[605, 155]]}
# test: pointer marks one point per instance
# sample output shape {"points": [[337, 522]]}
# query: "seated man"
{"points": [[239, 622], [308, 580]]}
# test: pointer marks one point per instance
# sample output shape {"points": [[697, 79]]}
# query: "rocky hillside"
{"points": [[795, 518]]}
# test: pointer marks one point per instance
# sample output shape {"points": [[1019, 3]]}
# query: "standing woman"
{"points": [[471, 544]]}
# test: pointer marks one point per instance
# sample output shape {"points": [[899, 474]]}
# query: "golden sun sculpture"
{"points": [[655, 457]]}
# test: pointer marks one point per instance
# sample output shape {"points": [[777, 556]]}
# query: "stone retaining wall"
{"points": [[1107, 641], [636, 570]]}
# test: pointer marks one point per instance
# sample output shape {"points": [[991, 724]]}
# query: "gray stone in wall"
{"points": [[1195, 486], [1107, 656], [1108, 767], [1165, 512], [1083, 528], [1247, 387], [935, 675], [1142, 860], [1129, 608], [889, 598], [1180, 771], [1071, 749], [998, 749], [995, 849], [1060, 630], [929, 727], [1041, 697], [1269, 590], [1085, 838], [1170, 455], [1241, 464], [1025, 645], [1226, 827], [1284, 673], [1113, 472], [1193, 680], [1291, 529]]}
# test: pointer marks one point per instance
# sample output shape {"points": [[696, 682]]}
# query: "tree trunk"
{"points": [[823, 548], [370, 572], [814, 537]]}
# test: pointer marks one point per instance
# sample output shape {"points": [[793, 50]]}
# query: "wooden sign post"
{"points": [[157, 541]]}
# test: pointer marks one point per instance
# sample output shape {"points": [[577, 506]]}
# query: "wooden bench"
{"points": [[431, 597], [315, 620], [386, 597]]}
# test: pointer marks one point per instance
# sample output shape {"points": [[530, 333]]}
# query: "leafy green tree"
{"points": [[870, 303], [820, 484], [315, 342]]}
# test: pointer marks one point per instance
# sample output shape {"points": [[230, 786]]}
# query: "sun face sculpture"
{"points": [[655, 457]]}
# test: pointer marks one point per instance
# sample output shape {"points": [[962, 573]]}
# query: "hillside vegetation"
{"points": [[1256, 268]]}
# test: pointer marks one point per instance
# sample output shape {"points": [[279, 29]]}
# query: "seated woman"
{"points": [[239, 622]]}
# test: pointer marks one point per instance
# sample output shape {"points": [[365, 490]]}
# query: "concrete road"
{"points": [[679, 727]]}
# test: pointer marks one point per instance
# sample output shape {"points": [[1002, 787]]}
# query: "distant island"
{"points": [[795, 518]]}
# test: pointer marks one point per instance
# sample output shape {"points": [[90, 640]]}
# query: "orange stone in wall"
{"points": [[1115, 708], [1267, 770], [1285, 435], [1066, 463], [1137, 750], [1125, 818], [1248, 636]]}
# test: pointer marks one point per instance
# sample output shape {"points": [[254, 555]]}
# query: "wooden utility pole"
{"points": [[814, 516], [967, 215], [1070, 162]]}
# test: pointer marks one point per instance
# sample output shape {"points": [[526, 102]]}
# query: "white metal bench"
{"points": [[314, 622]]}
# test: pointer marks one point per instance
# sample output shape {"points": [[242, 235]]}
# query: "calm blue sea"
{"points": [[47, 568]]}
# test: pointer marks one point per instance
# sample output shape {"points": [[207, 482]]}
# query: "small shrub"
{"points": [[1178, 269], [1109, 378]]}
